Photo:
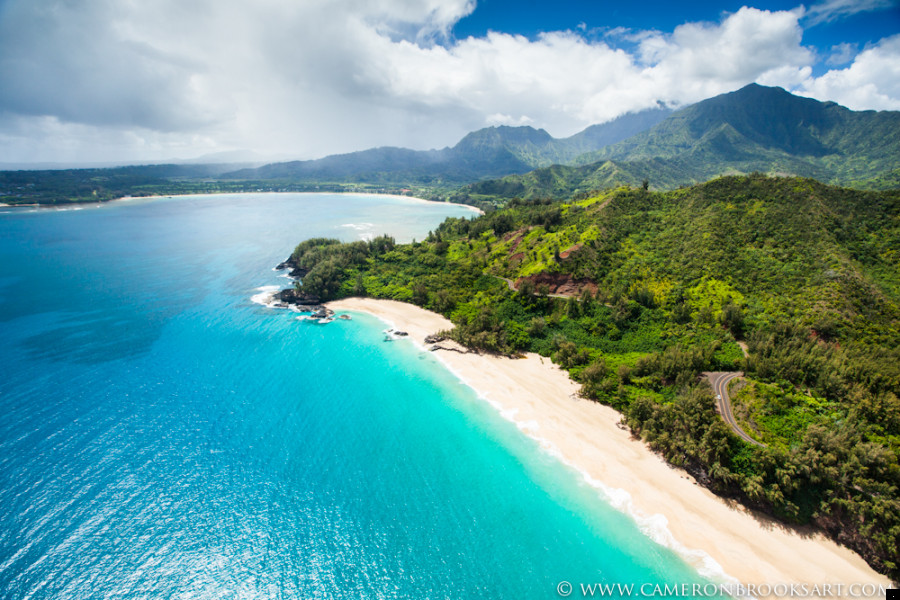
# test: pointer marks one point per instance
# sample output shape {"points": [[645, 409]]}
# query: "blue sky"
{"points": [[853, 23], [123, 81]]}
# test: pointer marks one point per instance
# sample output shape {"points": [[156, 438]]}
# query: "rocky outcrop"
{"points": [[560, 284], [296, 271], [292, 298]]}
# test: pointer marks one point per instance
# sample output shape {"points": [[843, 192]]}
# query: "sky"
{"points": [[124, 81]]}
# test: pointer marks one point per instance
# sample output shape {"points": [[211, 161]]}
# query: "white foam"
{"points": [[359, 226], [367, 230], [655, 526], [266, 295], [391, 334]]}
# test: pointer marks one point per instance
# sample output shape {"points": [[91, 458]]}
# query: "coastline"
{"points": [[722, 540], [469, 206], [69, 205], [374, 194]]}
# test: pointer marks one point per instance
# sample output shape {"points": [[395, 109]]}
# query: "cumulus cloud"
{"points": [[872, 81], [146, 80], [700, 60]]}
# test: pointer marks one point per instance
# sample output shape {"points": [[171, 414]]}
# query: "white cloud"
{"points": [[147, 80], [501, 119], [27, 139], [872, 82], [841, 54], [833, 10], [700, 60]]}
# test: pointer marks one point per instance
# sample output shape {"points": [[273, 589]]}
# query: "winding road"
{"points": [[719, 382]]}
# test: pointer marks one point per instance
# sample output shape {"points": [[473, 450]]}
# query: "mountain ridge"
{"points": [[756, 128], [488, 152]]}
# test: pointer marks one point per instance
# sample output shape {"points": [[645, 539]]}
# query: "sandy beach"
{"points": [[717, 537], [403, 197], [372, 194]]}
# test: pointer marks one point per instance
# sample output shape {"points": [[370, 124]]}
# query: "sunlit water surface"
{"points": [[162, 436]]}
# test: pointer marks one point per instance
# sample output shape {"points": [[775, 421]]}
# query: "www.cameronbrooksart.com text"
{"points": [[710, 590]]}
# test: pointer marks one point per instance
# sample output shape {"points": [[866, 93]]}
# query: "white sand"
{"points": [[666, 502], [474, 209], [371, 194]]}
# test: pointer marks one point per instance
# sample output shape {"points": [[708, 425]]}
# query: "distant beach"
{"points": [[469, 206], [717, 537], [414, 198], [92, 203]]}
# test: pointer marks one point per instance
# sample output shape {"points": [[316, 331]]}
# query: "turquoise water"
{"points": [[162, 436]]}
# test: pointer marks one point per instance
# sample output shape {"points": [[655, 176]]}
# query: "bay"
{"points": [[163, 436]]}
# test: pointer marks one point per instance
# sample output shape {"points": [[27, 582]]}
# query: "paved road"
{"points": [[509, 282], [719, 382]]}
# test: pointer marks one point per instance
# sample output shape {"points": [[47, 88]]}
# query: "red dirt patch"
{"points": [[565, 253], [517, 236], [561, 283]]}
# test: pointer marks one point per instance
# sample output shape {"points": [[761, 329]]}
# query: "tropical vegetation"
{"points": [[637, 293]]}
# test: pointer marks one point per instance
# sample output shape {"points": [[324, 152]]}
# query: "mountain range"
{"points": [[756, 128], [488, 152]]}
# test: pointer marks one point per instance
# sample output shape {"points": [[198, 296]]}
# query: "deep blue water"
{"points": [[162, 436]]}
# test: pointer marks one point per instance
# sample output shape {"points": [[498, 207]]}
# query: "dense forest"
{"points": [[756, 128], [637, 293], [67, 186]]}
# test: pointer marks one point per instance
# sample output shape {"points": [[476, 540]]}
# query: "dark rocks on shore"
{"points": [[292, 298], [296, 270], [434, 339]]}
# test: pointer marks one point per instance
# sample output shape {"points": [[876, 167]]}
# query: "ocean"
{"points": [[162, 435]]}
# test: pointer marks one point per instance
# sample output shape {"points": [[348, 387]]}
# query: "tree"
{"points": [[526, 289], [733, 318], [324, 279]]}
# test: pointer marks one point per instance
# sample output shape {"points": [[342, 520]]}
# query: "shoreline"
{"points": [[373, 194], [722, 540], [151, 197]]}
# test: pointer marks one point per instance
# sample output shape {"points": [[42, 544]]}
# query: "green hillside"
{"points": [[488, 152], [64, 186], [753, 129], [636, 293]]}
